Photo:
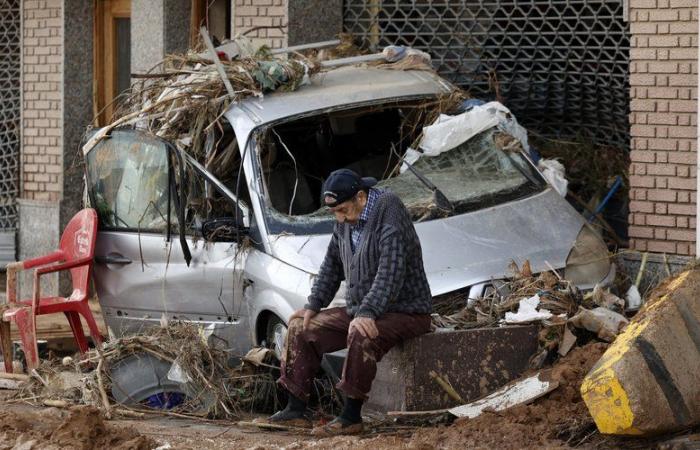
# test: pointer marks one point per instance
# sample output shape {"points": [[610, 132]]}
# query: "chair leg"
{"points": [[92, 324], [6, 343], [25, 325], [77, 328]]}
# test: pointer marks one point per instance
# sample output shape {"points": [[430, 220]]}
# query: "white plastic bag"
{"points": [[553, 171], [178, 374], [634, 298]]}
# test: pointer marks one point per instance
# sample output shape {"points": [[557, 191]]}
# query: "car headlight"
{"points": [[588, 262]]}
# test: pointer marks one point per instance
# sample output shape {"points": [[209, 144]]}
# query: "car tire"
{"points": [[142, 375], [276, 333]]}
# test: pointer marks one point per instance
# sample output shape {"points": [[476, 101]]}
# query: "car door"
{"points": [[142, 273]]}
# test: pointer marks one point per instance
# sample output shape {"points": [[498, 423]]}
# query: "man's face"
{"points": [[349, 211]]}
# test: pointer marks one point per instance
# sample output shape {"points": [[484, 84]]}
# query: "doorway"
{"points": [[112, 54]]}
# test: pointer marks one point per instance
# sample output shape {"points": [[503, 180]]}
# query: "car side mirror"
{"points": [[223, 229]]}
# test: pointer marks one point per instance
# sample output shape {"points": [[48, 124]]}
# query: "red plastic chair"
{"points": [[75, 254]]}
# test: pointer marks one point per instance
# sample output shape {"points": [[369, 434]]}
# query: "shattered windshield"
{"points": [[473, 175], [484, 171]]}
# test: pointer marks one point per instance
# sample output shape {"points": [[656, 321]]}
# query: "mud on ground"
{"points": [[558, 420], [81, 428]]}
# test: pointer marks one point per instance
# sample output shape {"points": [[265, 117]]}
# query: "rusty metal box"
{"points": [[475, 362]]}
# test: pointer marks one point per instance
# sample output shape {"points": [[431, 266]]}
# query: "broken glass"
{"points": [[470, 175], [475, 174], [128, 180]]}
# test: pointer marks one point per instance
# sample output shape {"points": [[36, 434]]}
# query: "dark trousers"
{"points": [[328, 332]]}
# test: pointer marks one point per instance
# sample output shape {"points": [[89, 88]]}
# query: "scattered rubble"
{"points": [[211, 389], [546, 298]]}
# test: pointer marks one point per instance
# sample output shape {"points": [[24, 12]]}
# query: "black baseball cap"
{"points": [[342, 185]]}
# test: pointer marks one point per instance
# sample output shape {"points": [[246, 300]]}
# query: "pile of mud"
{"points": [[558, 420], [80, 428]]}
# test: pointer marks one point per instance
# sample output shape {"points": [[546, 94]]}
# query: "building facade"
{"points": [[74, 60]]}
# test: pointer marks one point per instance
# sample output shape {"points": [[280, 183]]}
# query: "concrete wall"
{"points": [[663, 82], [146, 34], [38, 234]]}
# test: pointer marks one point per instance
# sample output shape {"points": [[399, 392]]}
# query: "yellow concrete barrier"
{"points": [[648, 381]]}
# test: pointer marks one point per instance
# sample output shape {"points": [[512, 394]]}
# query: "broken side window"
{"points": [[129, 182]]}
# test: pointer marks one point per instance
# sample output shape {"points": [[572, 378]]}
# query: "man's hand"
{"points": [[365, 326], [305, 314]]}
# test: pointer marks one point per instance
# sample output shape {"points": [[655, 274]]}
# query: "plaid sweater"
{"points": [[385, 273]]}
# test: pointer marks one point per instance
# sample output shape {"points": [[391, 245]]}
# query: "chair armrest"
{"points": [[54, 268], [52, 257], [64, 266]]}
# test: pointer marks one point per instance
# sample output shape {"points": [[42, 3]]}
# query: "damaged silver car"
{"points": [[233, 239]]}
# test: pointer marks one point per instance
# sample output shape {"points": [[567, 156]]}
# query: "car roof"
{"points": [[343, 86]]}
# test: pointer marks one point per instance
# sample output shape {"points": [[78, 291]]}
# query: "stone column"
{"points": [[78, 20], [158, 27], [314, 20]]}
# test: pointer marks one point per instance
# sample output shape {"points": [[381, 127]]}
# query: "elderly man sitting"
{"points": [[376, 250]]}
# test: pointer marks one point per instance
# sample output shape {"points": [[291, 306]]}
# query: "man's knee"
{"points": [[295, 329], [357, 339]]}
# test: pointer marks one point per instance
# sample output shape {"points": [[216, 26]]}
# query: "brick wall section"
{"points": [[663, 81], [42, 55], [248, 14]]}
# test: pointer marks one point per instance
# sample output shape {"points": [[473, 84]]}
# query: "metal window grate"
{"points": [[561, 65], [9, 111]]}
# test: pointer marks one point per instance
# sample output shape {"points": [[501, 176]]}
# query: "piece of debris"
{"points": [[528, 312], [602, 321], [606, 299], [567, 342], [553, 171], [258, 355], [515, 393], [172, 368], [634, 298], [557, 296]]}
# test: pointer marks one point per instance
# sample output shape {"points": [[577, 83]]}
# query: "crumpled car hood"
{"points": [[475, 247]]}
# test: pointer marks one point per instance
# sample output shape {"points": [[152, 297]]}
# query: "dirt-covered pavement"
{"points": [[558, 420]]}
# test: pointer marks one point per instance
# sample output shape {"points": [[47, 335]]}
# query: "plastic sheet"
{"points": [[449, 131]]}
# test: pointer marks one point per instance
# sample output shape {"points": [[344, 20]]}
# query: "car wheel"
{"points": [[276, 335], [143, 378]]}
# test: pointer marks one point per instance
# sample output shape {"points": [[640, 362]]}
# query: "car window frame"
{"points": [[183, 158]]}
